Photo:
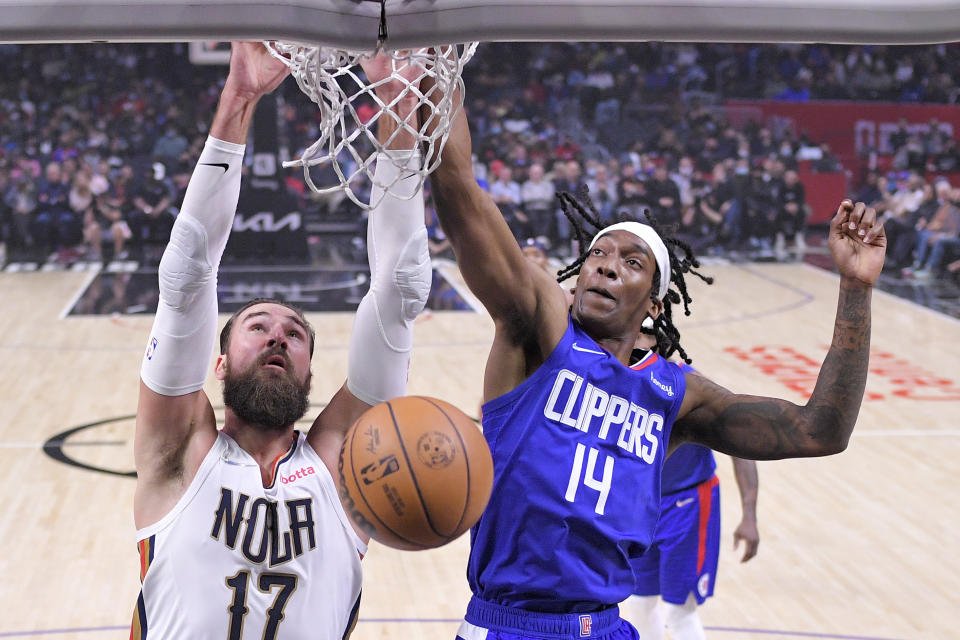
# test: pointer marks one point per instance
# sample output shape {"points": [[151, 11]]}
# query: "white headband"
{"points": [[652, 239]]}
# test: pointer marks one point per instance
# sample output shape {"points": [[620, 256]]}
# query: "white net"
{"points": [[345, 150]]}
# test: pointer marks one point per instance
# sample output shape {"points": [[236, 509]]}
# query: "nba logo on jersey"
{"points": [[151, 348], [586, 624]]}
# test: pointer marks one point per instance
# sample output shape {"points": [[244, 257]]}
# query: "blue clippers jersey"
{"points": [[578, 450], [689, 465]]}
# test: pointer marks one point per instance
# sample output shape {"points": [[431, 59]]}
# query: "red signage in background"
{"points": [[890, 375], [850, 128]]}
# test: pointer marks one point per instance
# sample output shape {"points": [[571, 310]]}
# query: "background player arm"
{"points": [[520, 297], [173, 409], [400, 275], [745, 472], [763, 428]]}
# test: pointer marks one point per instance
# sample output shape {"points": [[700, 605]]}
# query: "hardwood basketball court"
{"points": [[860, 545]]}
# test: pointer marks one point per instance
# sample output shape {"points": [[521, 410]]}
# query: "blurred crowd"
{"points": [[97, 143], [922, 221]]}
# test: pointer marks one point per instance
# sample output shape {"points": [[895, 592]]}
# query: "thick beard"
{"points": [[264, 400]]}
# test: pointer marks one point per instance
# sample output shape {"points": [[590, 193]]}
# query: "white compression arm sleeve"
{"points": [[185, 328], [400, 277]]}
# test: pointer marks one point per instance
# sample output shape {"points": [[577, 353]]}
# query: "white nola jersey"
{"points": [[235, 560]]}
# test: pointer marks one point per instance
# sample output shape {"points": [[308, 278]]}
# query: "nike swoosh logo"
{"points": [[222, 165], [683, 503], [576, 348]]}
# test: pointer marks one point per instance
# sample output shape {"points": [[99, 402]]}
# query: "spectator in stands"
{"points": [[763, 145], [80, 197], [898, 139], [567, 149], [792, 217], [21, 198], [603, 191], [153, 214], [105, 220], [827, 163], [568, 177], [902, 231], [870, 192], [719, 208], [807, 149], [934, 139], [799, 90], [936, 237], [56, 225], [762, 208], [908, 194], [948, 159], [99, 173], [708, 156], [730, 144], [664, 197], [536, 253], [170, 146], [537, 198], [506, 193], [632, 196], [911, 156], [683, 177]]}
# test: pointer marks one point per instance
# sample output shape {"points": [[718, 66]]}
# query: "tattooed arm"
{"points": [[761, 428]]}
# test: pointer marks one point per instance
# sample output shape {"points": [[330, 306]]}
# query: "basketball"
{"points": [[415, 473]]}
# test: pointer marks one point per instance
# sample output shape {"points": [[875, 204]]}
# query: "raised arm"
{"points": [[518, 296], [763, 428], [400, 273], [175, 424], [745, 472]]}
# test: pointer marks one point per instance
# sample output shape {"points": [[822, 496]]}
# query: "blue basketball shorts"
{"points": [[686, 548], [488, 621]]}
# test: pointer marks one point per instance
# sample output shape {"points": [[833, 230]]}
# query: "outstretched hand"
{"points": [[254, 71], [858, 242]]}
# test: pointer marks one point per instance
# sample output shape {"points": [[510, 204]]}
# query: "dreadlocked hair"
{"points": [[580, 211]]}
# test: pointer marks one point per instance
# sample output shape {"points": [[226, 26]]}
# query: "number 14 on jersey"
{"points": [[590, 480]]}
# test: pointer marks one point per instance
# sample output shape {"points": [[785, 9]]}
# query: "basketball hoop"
{"points": [[347, 142]]}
